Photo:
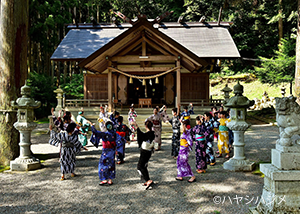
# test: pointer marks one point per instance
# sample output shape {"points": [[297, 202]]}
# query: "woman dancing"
{"points": [[111, 142], [145, 141]]}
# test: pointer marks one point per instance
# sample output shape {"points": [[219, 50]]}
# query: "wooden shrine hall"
{"points": [[160, 62]]}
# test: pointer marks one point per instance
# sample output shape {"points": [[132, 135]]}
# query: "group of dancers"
{"points": [[114, 134]]}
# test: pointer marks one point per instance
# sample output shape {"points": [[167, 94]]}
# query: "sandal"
{"points": [[73, 175], [212, 164], [192, 180], [201, 171], [179, 179], [149, 184], [110, 182], [62, 178], [219, 156], [103, 183], [227, 156]]}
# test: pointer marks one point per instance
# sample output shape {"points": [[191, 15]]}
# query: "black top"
{"points": [[142, 136]]}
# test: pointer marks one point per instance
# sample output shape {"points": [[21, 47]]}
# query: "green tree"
{"points": [[280, 68]]}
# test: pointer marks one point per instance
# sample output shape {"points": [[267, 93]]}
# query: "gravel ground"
{"points": [[217, 191]]}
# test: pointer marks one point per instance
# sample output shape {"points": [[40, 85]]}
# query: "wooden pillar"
{"points": [[178, 89], [297, 72], [109, 88], [84, 86], [116, 86]]}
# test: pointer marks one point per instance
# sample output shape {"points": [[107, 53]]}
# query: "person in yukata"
{"points": [[199, 134], [84, 128], [186, 145], [124, 132], [111, 142], [156, 118], [132, 115], [175, 122], [186, 114], [114, 119], [103, 118], [70, 146], [210, 156], [223, 137], [146, 145]]}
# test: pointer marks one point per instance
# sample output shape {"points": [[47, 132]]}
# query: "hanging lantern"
{"points": [[130, 80], [144, 82], [156, 80]]}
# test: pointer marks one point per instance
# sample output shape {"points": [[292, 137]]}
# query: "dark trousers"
{"points": [[143, 164]]}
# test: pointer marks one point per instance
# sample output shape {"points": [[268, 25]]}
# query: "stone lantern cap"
{"points": [[25, 101], [226, 88], [58, 90], [239, 101]]}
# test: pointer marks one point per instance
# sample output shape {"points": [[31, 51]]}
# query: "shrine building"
{"points": [[164, 62]]}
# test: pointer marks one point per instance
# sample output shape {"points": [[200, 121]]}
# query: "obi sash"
{"points": [[156, 122], [108, 144], [223, 128], [122, 134], [183, 142], [200, 137], [147, 146], [186, 117]]}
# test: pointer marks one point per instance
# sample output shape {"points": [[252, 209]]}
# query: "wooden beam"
{"points": [[143, 58], [178, 90], [144, 69], [130, 47], [144, 52], [109, 88], [157, 47]]}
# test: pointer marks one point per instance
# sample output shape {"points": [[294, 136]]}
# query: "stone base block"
{"points": [[25, 164], [238, 165], [286, 160], [281, 192]]}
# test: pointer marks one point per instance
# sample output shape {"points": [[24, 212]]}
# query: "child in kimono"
{"points": [[70, 146], [84, 128], [223, 138], [210, 156], [156, 118], [103, 118], [186, 144], [175, 122], [111, 142], [132, 115], [124, 132], [114, 119], [199, 134], [146, 145], [185, 115]]}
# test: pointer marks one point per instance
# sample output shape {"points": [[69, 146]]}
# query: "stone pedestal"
{"points": [[281, 192], [239, 162]]}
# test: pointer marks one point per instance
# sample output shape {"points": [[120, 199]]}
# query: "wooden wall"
{"points": [[95, 86], [194, 86]]}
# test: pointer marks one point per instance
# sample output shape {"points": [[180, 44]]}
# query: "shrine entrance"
{"points": [[137, 90]]}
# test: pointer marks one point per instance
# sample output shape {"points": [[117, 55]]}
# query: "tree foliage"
{"points": [[281, 67]]}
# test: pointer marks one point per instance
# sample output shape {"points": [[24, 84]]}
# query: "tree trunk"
{"points": [[280, 22], [14, 16], [297, 72]]}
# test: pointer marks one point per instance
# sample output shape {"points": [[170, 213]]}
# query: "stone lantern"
{"points": [[25, 125], [59, 98], [238, 105], [226, 90]]}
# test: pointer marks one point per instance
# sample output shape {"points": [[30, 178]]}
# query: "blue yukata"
{"points": [[199, 133], [111, 142], [114, 121], [186, 115], [210, 156], [124, 132]]}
